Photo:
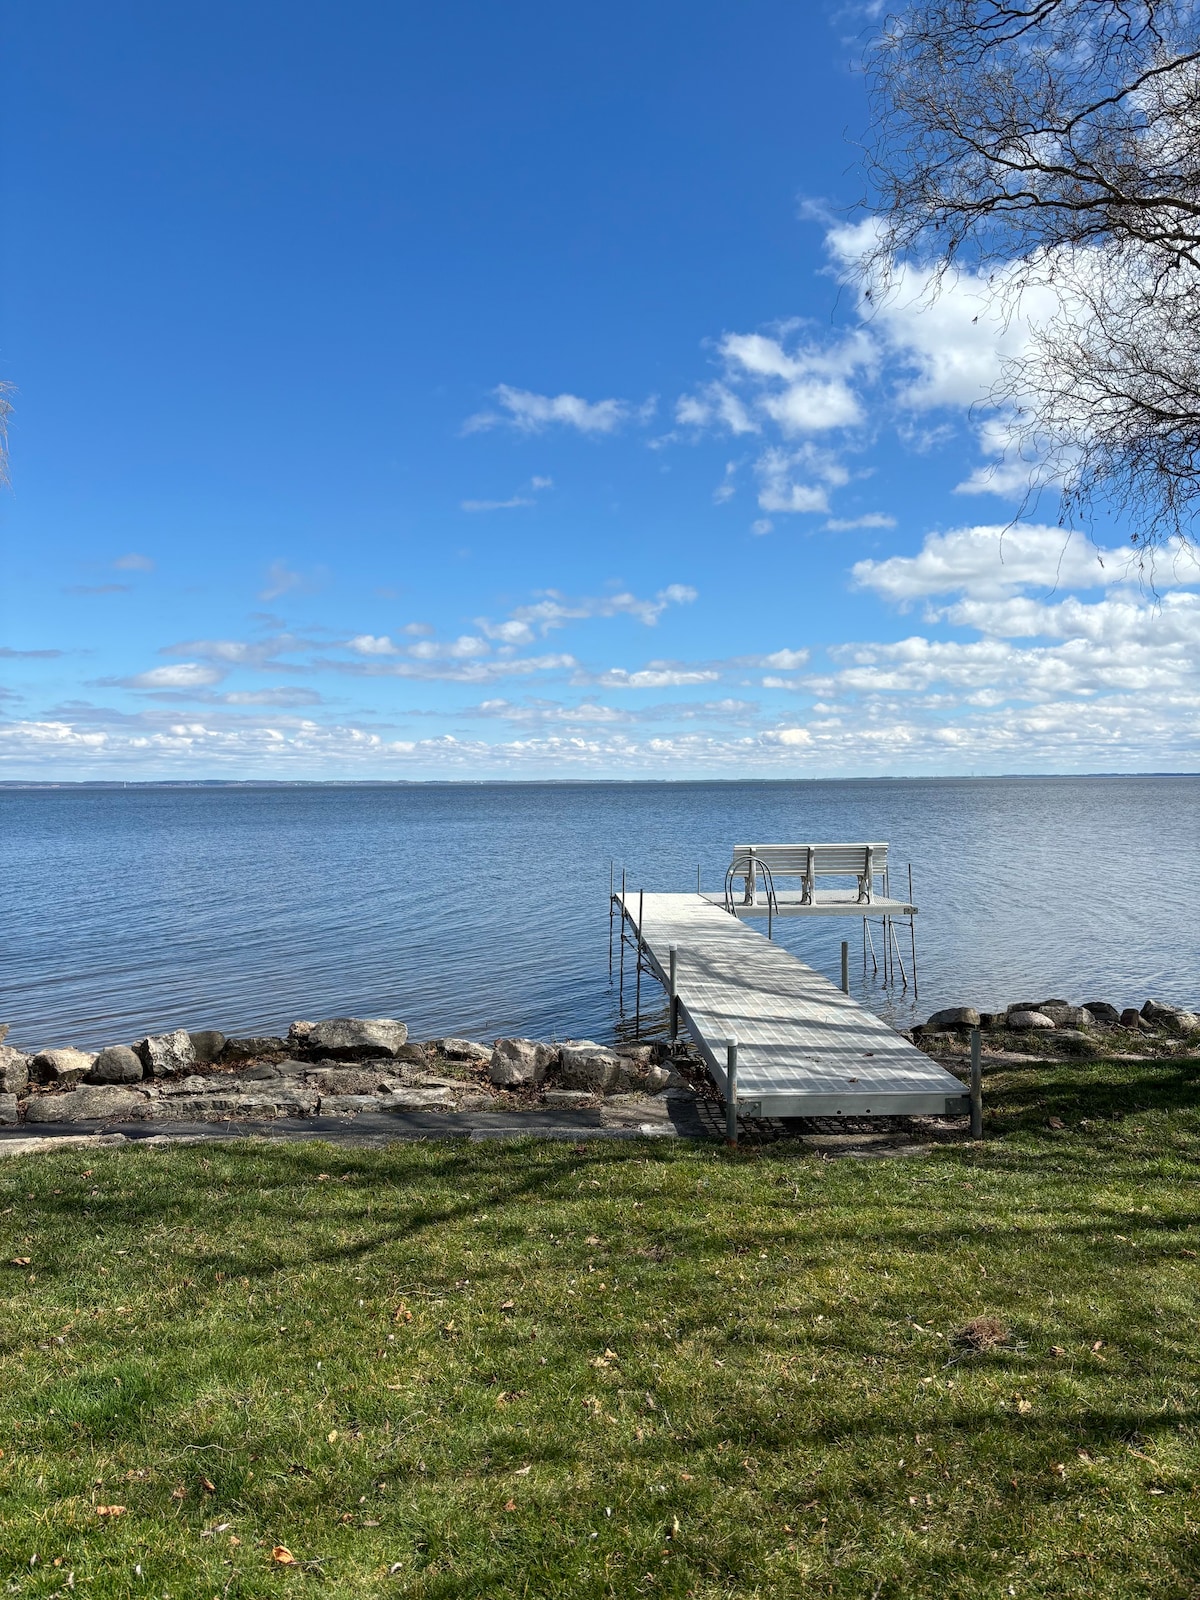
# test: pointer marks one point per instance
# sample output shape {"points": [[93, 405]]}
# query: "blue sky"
{"points": [[477, 391]]}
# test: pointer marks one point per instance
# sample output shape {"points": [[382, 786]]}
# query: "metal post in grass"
{"points": [[976, 1085], [845, 966], [674, 953], [731, 1055]]}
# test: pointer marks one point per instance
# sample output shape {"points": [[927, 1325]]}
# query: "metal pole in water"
{"points": [[674, 953], [845, 966], [731, 1054], [622, 938], [912, 928], [610, 913], [697, 877], [976, 1087]]}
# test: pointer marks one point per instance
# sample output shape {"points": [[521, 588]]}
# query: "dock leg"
{"points": [[637, 1006], [976, 1087], [674, 953], [845, 966], [912, 929], [731, 1054], [697, 877], [622, 939], [610, 916]]}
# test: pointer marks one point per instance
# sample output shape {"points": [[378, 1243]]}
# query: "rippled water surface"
{"points": [[482, 909]]}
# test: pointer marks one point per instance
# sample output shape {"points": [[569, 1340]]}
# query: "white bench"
{"points": [[808, 862]]}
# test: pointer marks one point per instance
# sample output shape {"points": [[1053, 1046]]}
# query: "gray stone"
{"points": [[1029, 1020], [953, 1017], [414, 1055], [409, 1099], [61, 1066], [347, 1105], [1183, 1023], [568, 1099], [14, 1071], [1025, 1005], [167, 1055], [117, 1064], [993, 1019], [261, 1072], [588, 1065], [463, 1050], [1102, 1012], [1075, 1042], [90, 1103], [9, 1112], [656, 1079], [343, 1080], [1063, 1015], [517, 1061], [352, 1038], [255, 1047], [1157, 1011], [207, 1044], [4, 1027], [638, 1055], [1131, 1017]]}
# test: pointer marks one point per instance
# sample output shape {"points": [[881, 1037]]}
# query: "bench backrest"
{"points": [[812, 860]]}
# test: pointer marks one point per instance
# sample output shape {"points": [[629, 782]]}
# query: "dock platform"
{"points": [[805, 1049]]}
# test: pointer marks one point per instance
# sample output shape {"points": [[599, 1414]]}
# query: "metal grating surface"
{"points": [[804, 1047]]}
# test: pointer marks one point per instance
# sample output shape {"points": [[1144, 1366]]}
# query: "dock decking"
{"points": [[805, 1049]]}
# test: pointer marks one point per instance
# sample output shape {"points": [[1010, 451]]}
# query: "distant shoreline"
{"points": [[25, 784]]}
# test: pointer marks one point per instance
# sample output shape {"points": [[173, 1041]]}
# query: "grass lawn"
{"points": [[614, 1369]]}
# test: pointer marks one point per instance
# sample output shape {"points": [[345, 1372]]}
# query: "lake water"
{"points": [[481, 909]]}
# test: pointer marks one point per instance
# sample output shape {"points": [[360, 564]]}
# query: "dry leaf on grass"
{"points": [[980, 1334], [110, 1511], [21, 1261], [282, 1556], [510, 1505], [208, 1485], [402, 1314]]}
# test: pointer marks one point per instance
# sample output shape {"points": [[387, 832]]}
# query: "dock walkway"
{"points": [[805, 1049]]}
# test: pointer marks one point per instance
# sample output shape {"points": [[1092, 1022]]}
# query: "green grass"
{"points": [[208, 1337]]}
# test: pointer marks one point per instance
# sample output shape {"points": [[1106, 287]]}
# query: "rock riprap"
{"points": [[1065, 1026], [342, 1067]]}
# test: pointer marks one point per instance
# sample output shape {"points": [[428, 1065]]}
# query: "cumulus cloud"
{"points": [[996, 559], [181, 675], [528, 412], [555, 610]]}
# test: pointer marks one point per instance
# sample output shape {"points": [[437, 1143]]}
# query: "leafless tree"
{"points": [[1057, 142], [5, 413]]}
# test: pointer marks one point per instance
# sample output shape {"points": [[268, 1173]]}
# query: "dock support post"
{"points": [[637, 1004], [610, 913], [697, 877], [674, 953], [731, 1054], [622, 939], [976, 1086], [912, 929], [845, 966]]}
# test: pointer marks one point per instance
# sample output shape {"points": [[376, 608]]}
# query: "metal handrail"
{"points": [[750, 866]]}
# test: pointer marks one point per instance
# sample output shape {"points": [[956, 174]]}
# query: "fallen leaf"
{"points": [[233, 1539], [1024, 1407], [1058, 1469], [110, 1511], [331, 1436], [592, 1238], [510, 1505], [178, 1492], [509, 1305], [1057, 1350], [1099, 1345], [1056, 1122], [1189, 1254], [402, 1313], [208, 1485], [282, 1556], [21, 1261], [522, 1472]]}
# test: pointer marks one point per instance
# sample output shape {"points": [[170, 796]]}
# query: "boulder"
{"points": [[1066, 1016], [1131, 1017], [656, 1079], [207, 1044], [993, 1019], [4, 1027], [1184, 1023], [9, 1112], [463, 1050], [354, 1038], [1042, 1004], [1102, 1012], [587, 1065], [414, 1055], [1075, 1043], [14, 1071], [61, 1066], [90, 1103], [255, 1047], [339, 1079], [117, 1064], [1024, 1005], [638, 1055], [516, 1061], [167, 1055], [953, 1017], [1029, 1020], [1157, 1011]]}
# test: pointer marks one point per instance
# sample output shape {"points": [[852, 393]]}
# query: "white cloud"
{"points": [[182, 675], [555, 610], [995, 559], [657, 675], [872, 519], [280, 580], [779, 490], [133, 563], [498, 505], [534, 413], [369, 644]]}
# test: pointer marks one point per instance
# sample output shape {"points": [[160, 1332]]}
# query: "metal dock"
{"points": [[804, 1048]]}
